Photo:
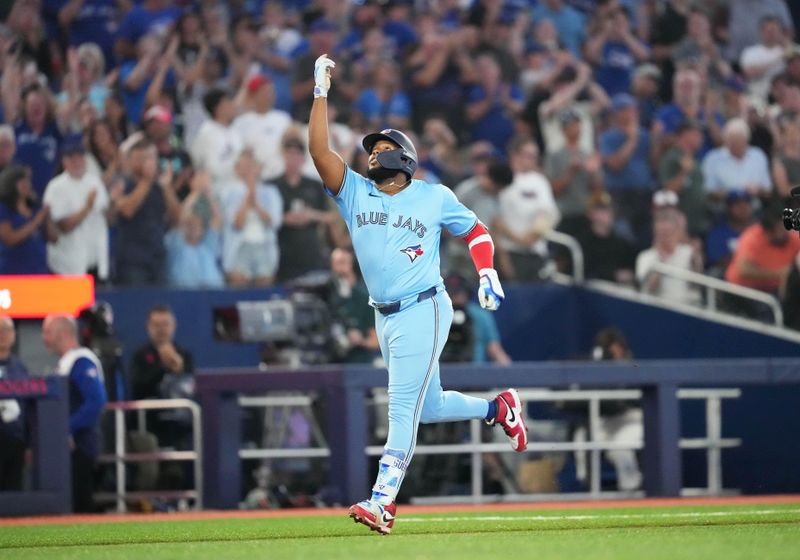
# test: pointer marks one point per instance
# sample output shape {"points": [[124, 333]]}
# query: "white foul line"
{"points": [[667, 515]]}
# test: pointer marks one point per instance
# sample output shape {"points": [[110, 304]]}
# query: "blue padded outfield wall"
{"points": [[551, 322], [545, 322]]}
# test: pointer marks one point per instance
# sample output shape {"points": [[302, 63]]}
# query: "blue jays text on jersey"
{"points": [[381, 218], [396, 238]]}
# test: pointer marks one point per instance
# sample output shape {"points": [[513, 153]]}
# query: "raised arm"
{"points": [[329, 164]]}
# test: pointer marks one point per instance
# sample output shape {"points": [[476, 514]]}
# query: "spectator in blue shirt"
{"points": [[155, 17], [23, 225], [615, 51], [192, 248], [38, 138], [626, 151], [722, 239], [279, 45], [90, 21], [12, 419], [87, 397], [571, 25], [492, 105], [384, 105], [137, 75], [688, 104]]}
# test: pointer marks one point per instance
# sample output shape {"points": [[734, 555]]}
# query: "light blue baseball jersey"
{"points": [[396, 238]]}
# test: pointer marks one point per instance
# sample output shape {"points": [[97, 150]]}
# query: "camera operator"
{"points": [[790, 289], [12, 420], [358, 343], [97, 334], [790, 296], [620, 421], [762, 259], [473, 335]]}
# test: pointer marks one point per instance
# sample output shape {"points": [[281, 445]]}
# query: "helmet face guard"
{"points": [[403, 159]]}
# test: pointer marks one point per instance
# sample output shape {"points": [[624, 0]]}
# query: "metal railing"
{"points": [[713, 443], [278, 429], [575, 251], [120, 456], [713, 285]]}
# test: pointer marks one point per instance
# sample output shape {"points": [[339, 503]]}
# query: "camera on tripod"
{"points": [[791, 216]]}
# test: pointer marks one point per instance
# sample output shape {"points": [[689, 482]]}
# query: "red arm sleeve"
{"points": [[481, 247]]}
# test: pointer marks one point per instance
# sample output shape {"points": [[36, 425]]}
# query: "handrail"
{"points": [[575, 250], [120, 456], [713, 443], [714, 284]]}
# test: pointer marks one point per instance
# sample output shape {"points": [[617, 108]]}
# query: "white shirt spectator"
{"points": [[760, 55], [669, 289], [254, 230], [527, 202], [216, 149], [86, 246], [552, 129], [723, 172], [262, 133]]}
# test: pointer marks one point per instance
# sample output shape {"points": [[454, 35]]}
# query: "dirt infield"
{"points": [[459, 508]]}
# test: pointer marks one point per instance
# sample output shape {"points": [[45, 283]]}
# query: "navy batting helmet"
{"points": [[402, 159]]}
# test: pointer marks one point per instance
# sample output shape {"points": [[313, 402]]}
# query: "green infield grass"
{"points": [[713, 532]]}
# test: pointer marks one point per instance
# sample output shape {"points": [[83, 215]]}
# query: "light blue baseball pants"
{"points": [[411, 342]]}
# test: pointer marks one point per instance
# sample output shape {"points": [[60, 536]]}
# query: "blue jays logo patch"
{"points": [[413, 252]]}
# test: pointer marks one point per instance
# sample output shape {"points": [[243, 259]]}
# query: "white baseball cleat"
{"points": [[511, 418]]}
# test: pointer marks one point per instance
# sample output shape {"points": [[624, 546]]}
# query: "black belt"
{"points": [[394, 307]]}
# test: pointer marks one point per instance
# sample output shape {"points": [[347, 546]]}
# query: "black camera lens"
{"points": [[787, 218]]}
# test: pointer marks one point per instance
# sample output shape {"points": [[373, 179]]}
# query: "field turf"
{"points": [[711, 532]]}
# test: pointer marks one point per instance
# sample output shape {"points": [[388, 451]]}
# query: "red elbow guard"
{"points": [[481, 247]]}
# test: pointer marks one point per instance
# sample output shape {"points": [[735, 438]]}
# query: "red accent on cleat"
{"points": [[377, 517], [511, 418]]}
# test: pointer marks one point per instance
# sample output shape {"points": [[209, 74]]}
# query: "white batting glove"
{"points": [[490, 292], [322, 75]]}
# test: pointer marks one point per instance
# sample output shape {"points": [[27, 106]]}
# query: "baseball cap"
{"points": [[158, 113], [735, 83], [664, 198], [648, 70], [507, 17], [256, 81], [293, 142], [736, 196], [622, 101], [567, 116], [322, 24], [534, 47], [599, 199], [688, 124], [72, 146], [568, 74]]}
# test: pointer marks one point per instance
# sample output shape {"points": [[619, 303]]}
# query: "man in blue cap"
{"points": [[625, 149]]}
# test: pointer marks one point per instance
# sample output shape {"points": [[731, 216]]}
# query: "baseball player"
{"points": [[395, 223]]}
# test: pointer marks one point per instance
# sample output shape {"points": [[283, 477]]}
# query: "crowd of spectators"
{"points": [[164, 143]]}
